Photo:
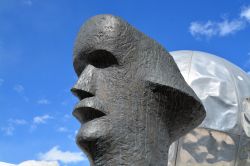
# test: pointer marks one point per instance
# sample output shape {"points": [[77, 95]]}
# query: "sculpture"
{"points": [[133, 100]]}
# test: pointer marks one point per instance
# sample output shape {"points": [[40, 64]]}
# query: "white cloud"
{"points": [[26, 98], [8, 57], [229, 27], [33, 127], [9, 130], [210, 29], [207, 29], [64, 103], [18, 88], [245, 13], [55, 154], [6, 164], [1, 81], [43, 101], [39, 163], [41, 119], [221, 28], [28, 2], [62, 129], [73, 136], [18, 121], [32, 163], [66, 116], [247, 63]]}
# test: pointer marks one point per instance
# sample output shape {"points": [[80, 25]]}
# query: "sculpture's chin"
{"points": [[88, 147], [94, 129], [90, 133]]}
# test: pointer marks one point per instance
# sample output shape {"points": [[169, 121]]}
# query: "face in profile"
{"points": [[133, 101]]}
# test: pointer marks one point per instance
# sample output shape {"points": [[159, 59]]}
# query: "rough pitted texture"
{"points": [[133, 100]]}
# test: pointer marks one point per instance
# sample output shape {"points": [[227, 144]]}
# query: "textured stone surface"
{"points": [[133, 100]]}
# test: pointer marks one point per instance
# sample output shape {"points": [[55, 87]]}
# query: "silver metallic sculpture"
{"points": [[223, 139], [134, 101]]}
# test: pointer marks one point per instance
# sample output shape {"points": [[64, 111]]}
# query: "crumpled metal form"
{"points": [[223, 139]]}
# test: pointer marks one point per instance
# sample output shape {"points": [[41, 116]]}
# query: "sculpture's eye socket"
{"points": [[101, 59], [97, 58]]}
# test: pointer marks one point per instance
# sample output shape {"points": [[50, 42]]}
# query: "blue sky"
{"points": [[36, 72]]}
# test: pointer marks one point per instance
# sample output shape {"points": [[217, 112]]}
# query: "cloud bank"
{"points": [[51, 158], [11, 124], [245, 13], [55, 154], [43, 101], [1, 81], [41, 119], [32, 163], [222, 28]]}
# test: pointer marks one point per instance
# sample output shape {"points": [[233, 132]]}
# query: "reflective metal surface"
{"points": [[223, 137], [172, 153], [246, 116], [207, 147], [243, 158]]}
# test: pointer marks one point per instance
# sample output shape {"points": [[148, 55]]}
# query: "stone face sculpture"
{"points": [[133, 100]]}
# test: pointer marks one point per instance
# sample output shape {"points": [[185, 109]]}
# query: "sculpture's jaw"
{"points": [[90, 134]]}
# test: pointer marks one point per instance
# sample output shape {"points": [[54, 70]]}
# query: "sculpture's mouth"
{"points": [[86, 114], [88, 110]]}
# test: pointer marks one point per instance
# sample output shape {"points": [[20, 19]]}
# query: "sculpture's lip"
{"points": [[89, 109]]}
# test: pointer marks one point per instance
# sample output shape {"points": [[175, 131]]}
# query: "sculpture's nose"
{"points": [[86, 84]]}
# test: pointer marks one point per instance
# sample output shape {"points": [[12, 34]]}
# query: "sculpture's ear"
{"points": [[184, 111]]}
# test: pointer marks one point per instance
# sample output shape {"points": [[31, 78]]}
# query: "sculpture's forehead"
{"points": [[105, 32], [106, 35], [106, 24]]}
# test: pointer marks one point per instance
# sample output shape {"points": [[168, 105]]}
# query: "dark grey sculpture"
{"points": [[133, 100]]}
